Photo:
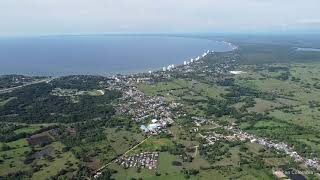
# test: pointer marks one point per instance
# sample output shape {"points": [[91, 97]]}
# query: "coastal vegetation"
{"points": [[75, 127]]}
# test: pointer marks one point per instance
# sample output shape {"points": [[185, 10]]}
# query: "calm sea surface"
{"points": [[98, 55]]}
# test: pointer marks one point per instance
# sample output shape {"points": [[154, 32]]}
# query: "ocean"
{"points": [[98, 54]]}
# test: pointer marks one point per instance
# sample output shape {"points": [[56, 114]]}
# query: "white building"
{"points": [[236, 72], [171, 66], [164, 69]]}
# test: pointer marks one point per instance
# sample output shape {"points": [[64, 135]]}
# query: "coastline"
{"points": [[185, 62], [82, 68]]}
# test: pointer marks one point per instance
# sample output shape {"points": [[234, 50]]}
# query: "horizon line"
{"points": [[163, 33]]}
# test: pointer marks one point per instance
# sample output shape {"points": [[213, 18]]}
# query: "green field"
{"points": [[165, 168], [282, 108], [13, 158], [62, 160], [29, 130], [225, 169], [153, 144], [67, 129], [185, 89]]}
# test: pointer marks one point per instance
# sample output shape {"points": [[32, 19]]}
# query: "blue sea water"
{"points": [[98, 55]]}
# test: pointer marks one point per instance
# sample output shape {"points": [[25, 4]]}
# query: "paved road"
{"points": [[28, 84]]}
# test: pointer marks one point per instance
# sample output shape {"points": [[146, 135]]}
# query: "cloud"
{"points": [[308, 21], [98, 16]]}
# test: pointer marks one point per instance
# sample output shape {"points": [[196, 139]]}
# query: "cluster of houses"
{"points": [[143, 108], [66, 92], [199, 121], [200, 67], [156, 126], [211, 139], [238, 134], [147, 160], [155, 114], [73, 92], [279, 146]]}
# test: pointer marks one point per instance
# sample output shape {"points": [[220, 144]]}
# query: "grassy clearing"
{"points": [[197, 163], [122, 140], [307, 73], [152, 144], [189, 90], [17, 144], [232, 161], [211, 91], [302, 90], [300, 115], [306, 96], [160, 88], [13, 159], [273, 86], [262, 105], [115, 143], [182, 136], [94, 93], [29, 130], [62, 160]]}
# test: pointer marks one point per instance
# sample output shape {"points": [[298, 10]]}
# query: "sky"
{"points": [[43, 17]]}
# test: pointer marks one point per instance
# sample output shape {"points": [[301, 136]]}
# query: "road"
{"points": [[196, 152], [2, 91], [104, 166]]}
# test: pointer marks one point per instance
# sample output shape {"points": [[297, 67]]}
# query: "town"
{"points": [[155, 113], [238, 134], [142, 160]]}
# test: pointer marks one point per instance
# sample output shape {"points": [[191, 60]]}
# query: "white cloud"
{"points": [[94, 16], [308, 21]]}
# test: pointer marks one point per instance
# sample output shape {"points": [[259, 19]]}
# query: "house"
{"points": [[154, 126], [144, 128]]}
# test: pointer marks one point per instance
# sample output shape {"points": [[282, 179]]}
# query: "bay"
{"points": [[98, 54]]}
